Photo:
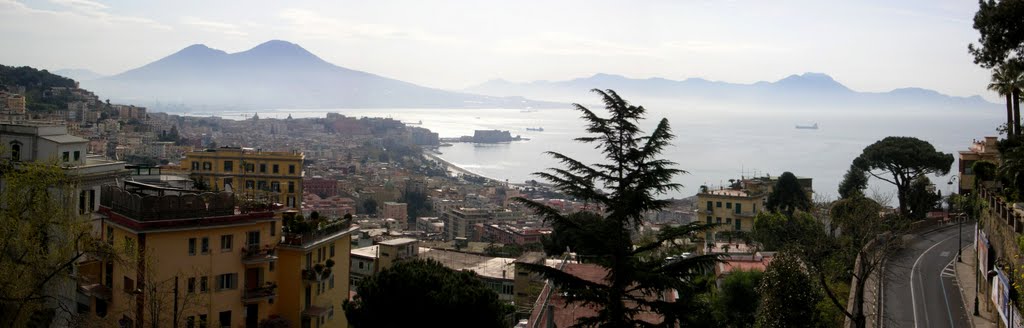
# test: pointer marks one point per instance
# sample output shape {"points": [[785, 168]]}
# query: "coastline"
{"points": [[452, 168]]}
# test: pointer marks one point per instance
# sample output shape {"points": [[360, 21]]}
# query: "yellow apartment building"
{"points": [[980, 150], [254, 173], [188, 259], [735, 207], [314, 274]]}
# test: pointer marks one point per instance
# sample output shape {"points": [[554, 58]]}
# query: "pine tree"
{"points": [[624, 187]]}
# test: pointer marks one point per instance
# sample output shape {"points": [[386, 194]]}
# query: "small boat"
{"points": [[538, 129], [808, 127]]}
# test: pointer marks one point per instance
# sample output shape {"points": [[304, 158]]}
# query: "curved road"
{"points": [[919, 287]]}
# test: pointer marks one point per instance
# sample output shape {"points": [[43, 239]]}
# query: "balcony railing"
{"points": [[306, 238], [252, 295], [256, 255]]}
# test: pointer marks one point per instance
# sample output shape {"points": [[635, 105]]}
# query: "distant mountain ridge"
{"points": [[807, 89], [277, 74]]}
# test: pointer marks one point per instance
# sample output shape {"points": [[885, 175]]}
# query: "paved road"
{"points": [[920, 289]]}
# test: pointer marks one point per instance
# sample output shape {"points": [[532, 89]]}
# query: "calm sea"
{"points": [[714, 143]]}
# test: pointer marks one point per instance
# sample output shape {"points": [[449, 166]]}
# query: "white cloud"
{"points": [[213, 26], [99, 11], [311, 24]]}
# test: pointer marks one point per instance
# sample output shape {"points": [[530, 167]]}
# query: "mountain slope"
{"points": [[277, 74], [806, 90]]}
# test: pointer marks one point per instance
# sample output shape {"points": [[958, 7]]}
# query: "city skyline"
{"points": [[868, 46]]}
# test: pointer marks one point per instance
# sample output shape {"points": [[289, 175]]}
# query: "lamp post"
{"points": [[960, 223]]}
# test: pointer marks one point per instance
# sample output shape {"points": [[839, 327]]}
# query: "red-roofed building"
{"points": [[552, 310]]}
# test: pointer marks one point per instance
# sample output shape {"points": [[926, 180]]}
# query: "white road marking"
{"points": [[913, 297]]}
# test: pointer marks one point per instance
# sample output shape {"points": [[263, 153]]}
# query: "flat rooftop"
{"points": [[398, 241]]}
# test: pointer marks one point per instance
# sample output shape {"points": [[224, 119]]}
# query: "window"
{"points": [[738, 208], [229, 166], [275, 186], [129, 246], [273, 228], [270, 266], [228, 182], [78, 155], [224, 318], [195, 166], [190, 322], [15, 151], [718, 204], [332, 250], [309, 260], [261, 185], [204, 284], [250, 167], [291, 187], [728, 205], [709, 205], [110, 235], [207, 166], [275, 169], [252, 239], [332, 282], [360, 264], [728, 220], [129, 285], [192, 285], [109, 278], [225, 242], [291, 169], [263, 168], [739, 225], [66, 156], [227, 281], [249, 184], [202, 321], [205, 246], [718, 220]]}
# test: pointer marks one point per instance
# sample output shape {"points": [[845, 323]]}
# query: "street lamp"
{"points": [[960, 224]]}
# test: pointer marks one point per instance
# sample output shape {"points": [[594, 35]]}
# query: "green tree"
{"points": [[788, 294], [776, 231], [854, 182], [1001, 32], [788, 196], [625, 187], [43, 238], [433, 290], [904, 159], [370, 206], [737, 299], [922, 200]]}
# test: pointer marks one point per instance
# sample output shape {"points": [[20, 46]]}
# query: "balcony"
{"points": [[259, 294], [747, 214], [313, 276], [254, 255]]}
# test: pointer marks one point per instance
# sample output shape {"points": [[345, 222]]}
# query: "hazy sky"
{"points": [[867, 45]]}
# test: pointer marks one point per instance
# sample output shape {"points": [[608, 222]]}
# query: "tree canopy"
{"points": [[788, 196], [425, 289], [900, 160], [1001, 32], [854, 182], [624, 187], [788, 294]]}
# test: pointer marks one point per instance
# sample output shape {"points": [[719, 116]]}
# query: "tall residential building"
{"points": [[208, 261], [268, 175], [50, 143], [313, 273], [190, 258], [736, 206]]}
